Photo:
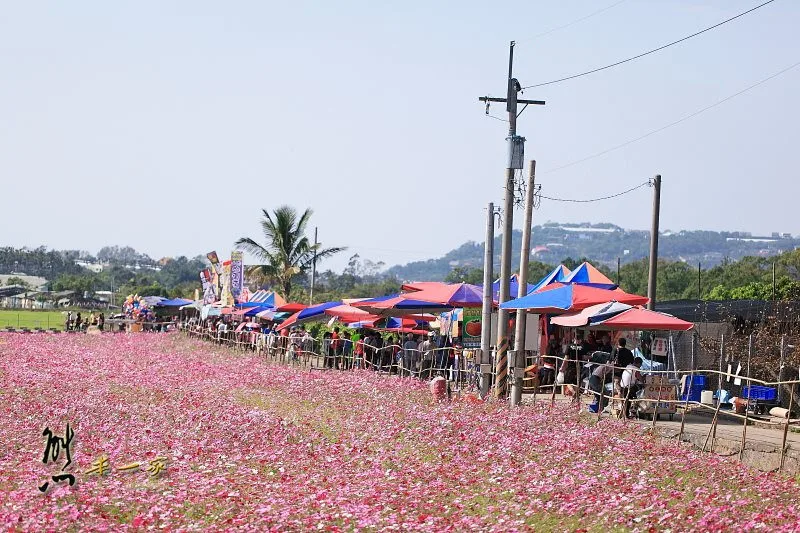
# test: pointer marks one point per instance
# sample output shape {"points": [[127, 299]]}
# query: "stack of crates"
{"points": [[694, 388], [763, 394]]}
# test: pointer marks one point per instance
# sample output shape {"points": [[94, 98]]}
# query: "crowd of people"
{"points": [[598, 363], [406, 354], [74, 322]]}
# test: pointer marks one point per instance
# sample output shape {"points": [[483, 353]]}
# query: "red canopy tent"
{"points": [[291, 307], [422, 285]]}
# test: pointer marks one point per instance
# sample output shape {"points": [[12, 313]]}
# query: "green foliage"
{"points": [[38, 262], [19, 282], [286, 251], [462, 274]]}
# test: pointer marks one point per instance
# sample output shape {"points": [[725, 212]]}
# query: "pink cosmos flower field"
{"points": [[253, 446]]}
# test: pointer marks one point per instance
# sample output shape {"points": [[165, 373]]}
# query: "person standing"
{"points": [[327, 351], [624, 355], [336, 346], [410, 350], [427, 350], [629, 384], [597, 384]]}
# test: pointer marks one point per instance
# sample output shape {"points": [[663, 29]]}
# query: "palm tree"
{"points": [[286, 251]]}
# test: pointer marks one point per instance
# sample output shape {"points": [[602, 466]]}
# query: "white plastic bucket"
{"points": [[707, 397]]}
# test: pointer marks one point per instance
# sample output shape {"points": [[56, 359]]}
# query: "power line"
{"points": [[649, 51], [595, 199], [567, 25], [674, 123]]}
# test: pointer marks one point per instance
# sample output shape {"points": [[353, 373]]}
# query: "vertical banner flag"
{"points": [[216, 273], [237, 276], [227, 297], [209, 292]]}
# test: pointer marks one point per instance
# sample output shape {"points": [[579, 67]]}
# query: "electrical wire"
{"points": [[717, 25], [596, 199], [567, 25], [497, 118], [674, 123]]}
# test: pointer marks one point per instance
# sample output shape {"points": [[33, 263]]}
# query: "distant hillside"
{"points": [[603, 244]]}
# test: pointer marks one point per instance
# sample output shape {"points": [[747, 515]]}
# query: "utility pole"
{"points": [[313, 271], [518, 356], [651, 278], [773, 281], [699, 281], [486, 311], [516, 148], [619, 261]]}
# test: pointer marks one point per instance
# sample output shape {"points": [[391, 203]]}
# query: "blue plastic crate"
{"points": [[766, 394], [698, 381]]}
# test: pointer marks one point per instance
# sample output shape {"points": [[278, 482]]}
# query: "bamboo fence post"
{"points": [[786, 428], [749, 393]]}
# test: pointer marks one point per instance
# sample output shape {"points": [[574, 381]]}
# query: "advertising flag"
{"points": [[227, 297], [214, 260], [209, 292], [237, 276]]}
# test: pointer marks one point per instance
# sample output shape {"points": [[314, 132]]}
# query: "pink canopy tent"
{"points": [[618, 316], [638, 318], [422, 285]]}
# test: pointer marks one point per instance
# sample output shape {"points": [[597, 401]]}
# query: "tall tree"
{"points": [[286, 251]]}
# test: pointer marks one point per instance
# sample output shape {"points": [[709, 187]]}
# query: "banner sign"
{"points": [[226, 298], [471, 337], [209, 292], [214, 260], [237, 276]]}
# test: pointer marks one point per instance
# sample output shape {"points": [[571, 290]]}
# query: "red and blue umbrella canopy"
{"points": [[398, 305], [560, 298], [588, 275], [454, 295]]}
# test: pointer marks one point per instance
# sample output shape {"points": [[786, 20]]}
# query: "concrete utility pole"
{"points": [[651, 278], [313, 271], [518, 356], [516, 148], [486, 311]]}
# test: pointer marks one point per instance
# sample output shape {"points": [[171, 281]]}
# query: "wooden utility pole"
{"points": [[486, 311], [516, 147], [652, 275], [518, 358]]}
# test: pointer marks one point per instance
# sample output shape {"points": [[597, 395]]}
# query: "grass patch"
{"points": [[25, 318]]}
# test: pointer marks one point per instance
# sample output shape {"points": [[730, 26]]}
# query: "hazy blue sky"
{"points": [[168, 125]]}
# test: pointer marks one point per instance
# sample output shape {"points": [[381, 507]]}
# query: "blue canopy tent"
{"points": [[558, 275], [175, 302], [309, 313], [572, 297], [588, 275]]}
